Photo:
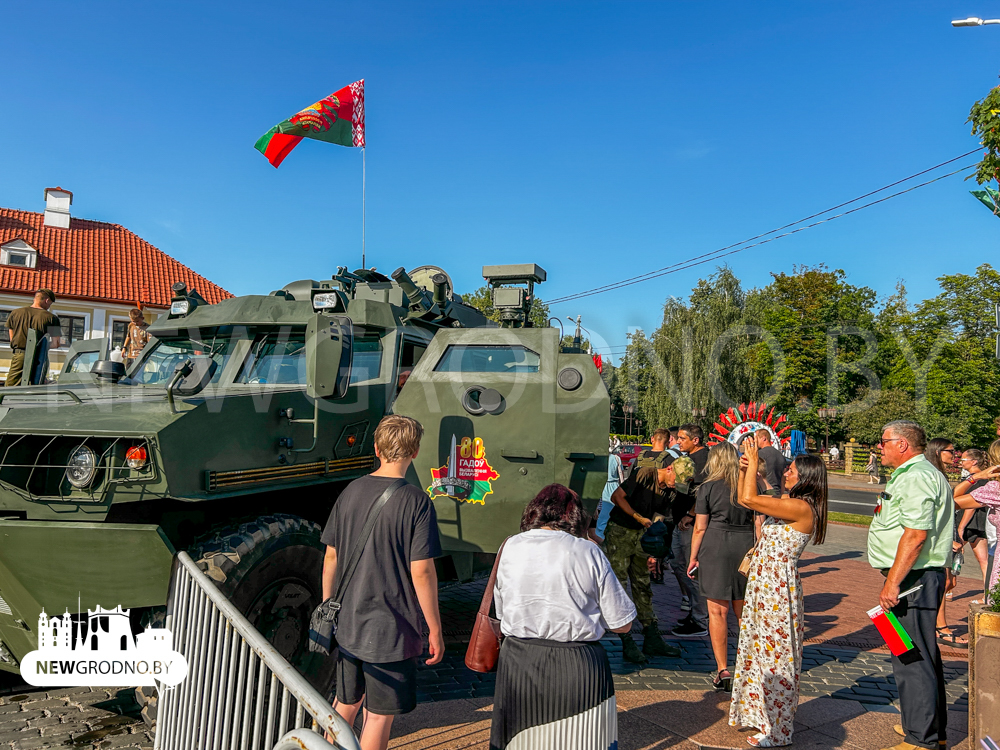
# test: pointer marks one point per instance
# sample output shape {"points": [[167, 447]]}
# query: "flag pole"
{"points": [[363, 207]]}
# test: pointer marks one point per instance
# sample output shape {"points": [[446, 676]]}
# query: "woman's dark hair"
{"points": [[932, 452], [812, 488], [557, 507]]}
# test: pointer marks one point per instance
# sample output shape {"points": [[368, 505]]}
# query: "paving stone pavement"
{"points": [[850, 674], [79, 717], [843, 659]]}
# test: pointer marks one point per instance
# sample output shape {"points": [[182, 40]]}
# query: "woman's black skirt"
{"points": [[976, 528], [552, 695], [722, 551]]}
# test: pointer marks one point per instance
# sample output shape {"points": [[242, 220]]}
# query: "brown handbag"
{"points": [[484, 646], [747, 560]]}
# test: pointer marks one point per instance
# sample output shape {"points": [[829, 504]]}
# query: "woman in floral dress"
{"points": [[769, 655]]}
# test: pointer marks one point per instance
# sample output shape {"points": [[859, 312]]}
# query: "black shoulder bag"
{"points": [[323, 623]]}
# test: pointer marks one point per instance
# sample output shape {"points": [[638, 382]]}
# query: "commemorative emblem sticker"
{"points": [[467, 475]]}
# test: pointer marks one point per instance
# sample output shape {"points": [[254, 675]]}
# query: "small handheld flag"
{"points": [[889, 628], [896, 638], [338, 118]]}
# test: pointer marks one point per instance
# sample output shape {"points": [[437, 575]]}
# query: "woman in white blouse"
{"points": [[556, 596]]}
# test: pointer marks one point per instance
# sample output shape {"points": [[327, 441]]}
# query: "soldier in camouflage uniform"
{"points": [[643, 495]]}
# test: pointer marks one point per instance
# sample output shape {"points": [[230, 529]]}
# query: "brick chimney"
{"points": [[57, 203]]}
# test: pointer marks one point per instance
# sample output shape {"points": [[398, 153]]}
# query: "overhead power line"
{"points": [[743, 245]]}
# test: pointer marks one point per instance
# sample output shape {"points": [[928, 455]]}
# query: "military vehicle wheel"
{"points": [[271, 569]]}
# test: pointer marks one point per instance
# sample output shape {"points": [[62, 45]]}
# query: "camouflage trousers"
{"points": [[628, 561]]}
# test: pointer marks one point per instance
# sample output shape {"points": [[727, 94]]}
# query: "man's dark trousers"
{"points": [[920, 680]]}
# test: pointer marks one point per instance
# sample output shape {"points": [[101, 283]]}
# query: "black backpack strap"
{"points": [[359, 547]]}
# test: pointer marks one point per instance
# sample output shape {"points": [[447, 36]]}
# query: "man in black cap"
{"points": [[37, 318]]}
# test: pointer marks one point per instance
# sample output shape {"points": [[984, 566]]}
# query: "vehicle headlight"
{"points": [[180, 307], [136, 457], [81, 467], [325, 301]]}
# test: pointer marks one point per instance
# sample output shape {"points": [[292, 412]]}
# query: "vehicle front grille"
{"points": [[216, 481], [36, 465]]}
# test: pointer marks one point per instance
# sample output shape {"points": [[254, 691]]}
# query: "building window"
{"points": [[119, 329], [4, 335], [73, 329], [18, 253]]}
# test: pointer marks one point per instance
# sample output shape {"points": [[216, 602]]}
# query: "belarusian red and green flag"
{"points": [[339, 118], [896, 638]]}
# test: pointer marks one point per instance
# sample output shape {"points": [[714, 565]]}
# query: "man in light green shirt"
{"points": [[917, 496], [910, 542]]}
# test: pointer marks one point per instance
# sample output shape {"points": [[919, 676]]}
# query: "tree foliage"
{"points": [[985, 119], [811, 339], [700, 357]]}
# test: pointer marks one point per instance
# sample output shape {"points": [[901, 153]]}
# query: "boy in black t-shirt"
{"points": [[378, 631]]}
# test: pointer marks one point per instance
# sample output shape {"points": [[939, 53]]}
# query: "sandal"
{"points": [[950, 639], [722, 681], [762, 740]]}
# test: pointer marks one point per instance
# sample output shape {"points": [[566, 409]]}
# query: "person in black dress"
{"points": [[970, 525], [723, 533]]}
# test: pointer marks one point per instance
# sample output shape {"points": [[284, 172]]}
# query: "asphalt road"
{"points": [[852, 501]]}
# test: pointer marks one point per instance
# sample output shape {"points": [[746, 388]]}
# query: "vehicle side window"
{"points": [[412, 352], [276, 359], [366, 362], [83, 362], [489, 358]]}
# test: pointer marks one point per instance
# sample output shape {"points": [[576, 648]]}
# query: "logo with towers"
{"points": [[99, 649]]}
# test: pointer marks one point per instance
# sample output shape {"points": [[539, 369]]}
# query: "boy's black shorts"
{"points": [[388, 689]]}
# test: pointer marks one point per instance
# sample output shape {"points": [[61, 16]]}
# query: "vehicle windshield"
{"points": [[159, 364]]}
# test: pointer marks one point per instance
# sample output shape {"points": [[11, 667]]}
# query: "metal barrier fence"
{"points": [[239, 692]]}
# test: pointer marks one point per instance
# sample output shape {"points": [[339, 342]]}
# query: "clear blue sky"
{"points": [[599, 140]]}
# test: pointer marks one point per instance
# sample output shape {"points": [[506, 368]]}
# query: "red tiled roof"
{"points": [[93, 260]]}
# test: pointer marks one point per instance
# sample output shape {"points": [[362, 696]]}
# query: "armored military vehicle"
{"points": [[234, 430]]}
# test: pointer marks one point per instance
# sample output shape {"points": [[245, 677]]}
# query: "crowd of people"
{"points": [[739, 517]]}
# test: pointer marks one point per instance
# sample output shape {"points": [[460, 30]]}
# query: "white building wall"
{"points": [[98, 318]]}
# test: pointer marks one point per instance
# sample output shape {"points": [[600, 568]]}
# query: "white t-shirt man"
{"points": [[834, 453], [553, 585]]}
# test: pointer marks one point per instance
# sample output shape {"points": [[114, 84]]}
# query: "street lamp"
{"points": [[578, 338], [827, 413], [699, 412], [629, 411], [975, 22]]}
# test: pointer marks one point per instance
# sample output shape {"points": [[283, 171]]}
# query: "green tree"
{"points": [[567, 340], [876, 409], [825, 331], [700, 356], [948, 358], [482, 300], [985, 119]]}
